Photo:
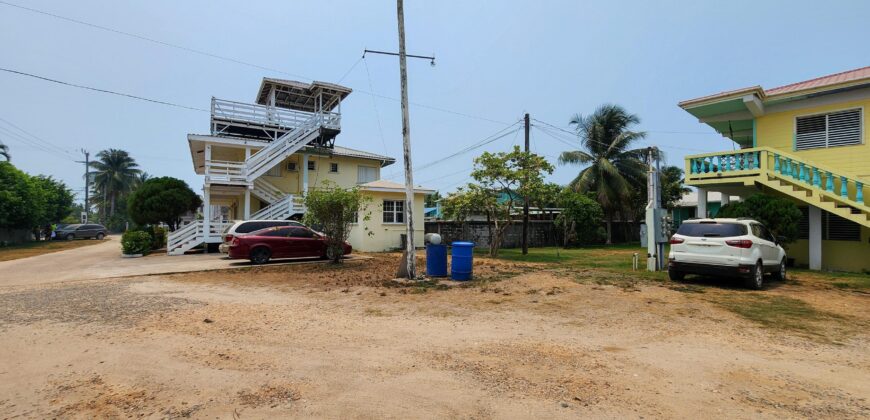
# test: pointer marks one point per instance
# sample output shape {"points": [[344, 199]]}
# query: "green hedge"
{"points": [[136, 242]]}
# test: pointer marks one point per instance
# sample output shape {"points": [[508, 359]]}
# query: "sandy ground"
{"points": [[103, 261], [341, 342]]}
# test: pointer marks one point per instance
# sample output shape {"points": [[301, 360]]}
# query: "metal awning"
{"points": [[301, 96]]}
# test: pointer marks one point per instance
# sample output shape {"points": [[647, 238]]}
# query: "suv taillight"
{"points": [[234, 242], [229, 238], [676, 240], [740, 243]]}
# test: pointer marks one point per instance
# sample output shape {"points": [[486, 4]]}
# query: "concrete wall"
{"points": [[385, 236], [14, 236]]}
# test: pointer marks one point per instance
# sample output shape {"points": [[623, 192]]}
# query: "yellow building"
{"points": [[807, 141], [260, 159]]}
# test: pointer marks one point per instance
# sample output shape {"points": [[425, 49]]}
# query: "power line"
{"points": [[234, 60], [111, 92], [37, 138], [498, 135], [375, 104], [28, 142]]}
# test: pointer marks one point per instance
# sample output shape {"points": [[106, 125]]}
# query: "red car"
{"points": [[281, 242]]}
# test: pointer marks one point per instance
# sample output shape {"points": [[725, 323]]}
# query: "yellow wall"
{"points": [[385, 236], [836, 255], [777, 130]]}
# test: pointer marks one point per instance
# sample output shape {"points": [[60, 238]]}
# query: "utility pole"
{"points": [[526, 198], [409, 263], [87, 163], [410, 257]]}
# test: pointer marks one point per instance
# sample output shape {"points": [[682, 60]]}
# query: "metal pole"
{"points": [[87, 183], [526, 198], [410, 261]]}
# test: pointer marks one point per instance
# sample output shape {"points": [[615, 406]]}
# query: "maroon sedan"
{"points": [[281, 242]]}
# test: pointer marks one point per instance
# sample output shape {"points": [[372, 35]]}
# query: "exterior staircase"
{"points": [[278, 150], [193, 234], [834, 191], [282, 209]]}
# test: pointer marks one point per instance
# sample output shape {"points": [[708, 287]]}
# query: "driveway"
{"points": [[104, 261]]}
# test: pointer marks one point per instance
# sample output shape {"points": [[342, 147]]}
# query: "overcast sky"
{"points": [[495, 61]]}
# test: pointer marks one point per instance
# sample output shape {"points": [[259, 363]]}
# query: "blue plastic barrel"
{"points": [[436, 260], [463, 258]]}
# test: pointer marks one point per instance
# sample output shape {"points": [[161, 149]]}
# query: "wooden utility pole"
{"points": [[87, 163], [526, 198], [410, 258]]}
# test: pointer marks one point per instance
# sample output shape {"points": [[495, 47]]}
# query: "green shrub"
{"points": [[158, 237], [136, 242], [780, 215], [580, 219]]}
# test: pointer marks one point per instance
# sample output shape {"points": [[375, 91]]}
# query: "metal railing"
{"points": [[746, 162]]}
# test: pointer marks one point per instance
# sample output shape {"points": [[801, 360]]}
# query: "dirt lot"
{"points": [[523, 340]]}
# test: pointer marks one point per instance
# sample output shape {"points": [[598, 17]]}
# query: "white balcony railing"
{"points": [[219, 171]]}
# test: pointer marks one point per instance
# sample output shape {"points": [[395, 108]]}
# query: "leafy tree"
{"points": [[4, 151], [780, 215], [503, 179], [115, 175], [614, 170], [580, 219], [162, 199], [673, 189], [18, 198], [55, 200], [432, 199], [334, 209]]}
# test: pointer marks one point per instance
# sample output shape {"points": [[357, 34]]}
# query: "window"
{"points": [[291, 166], [834, 228], [394, 211], [280, 233], [841, 128], [312, 165], [299, 232], [712, 229], [274, 171], [333, 167], [366, 174]]}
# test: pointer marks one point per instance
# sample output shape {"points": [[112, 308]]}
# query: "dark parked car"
{"points": [[82, 231], [281, 242]]}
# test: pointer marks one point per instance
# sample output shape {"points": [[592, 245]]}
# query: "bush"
{"points": [[158, 237], [136, 242], [163, 199], [580, 220], [780, 215], [333, 209]]}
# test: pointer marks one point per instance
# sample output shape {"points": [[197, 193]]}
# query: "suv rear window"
{"points": [[716, 230]]}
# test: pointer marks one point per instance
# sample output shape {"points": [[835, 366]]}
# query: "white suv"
{"points": [[726, 247]]}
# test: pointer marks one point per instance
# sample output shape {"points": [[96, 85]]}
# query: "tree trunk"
{"points": [[610, 229], [493, 239], [112, 210]]}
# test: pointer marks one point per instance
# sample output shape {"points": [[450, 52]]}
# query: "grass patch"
{"points": [[778, 312], [613, 258], [859, 282], [375, 312], [35, 248]]}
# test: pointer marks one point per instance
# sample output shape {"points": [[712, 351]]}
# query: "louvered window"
{"points": [[837, 228], [841, 128]]}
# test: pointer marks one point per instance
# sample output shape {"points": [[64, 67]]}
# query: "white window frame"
{"points": [[815, 114], [394, 212]]}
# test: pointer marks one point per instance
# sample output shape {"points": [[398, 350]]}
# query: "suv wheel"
{"points": [[780, 275], [100, 236], [756, 278], [675, 275], [330, 253], [70, 237], [260, 255]]}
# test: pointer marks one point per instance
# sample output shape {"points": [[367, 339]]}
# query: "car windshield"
{"points": [[712, 229]]}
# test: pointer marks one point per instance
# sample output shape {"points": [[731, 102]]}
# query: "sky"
{"points": [[495, 61]]}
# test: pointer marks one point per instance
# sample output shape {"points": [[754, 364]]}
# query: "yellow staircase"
{"points": [[833, 191]]}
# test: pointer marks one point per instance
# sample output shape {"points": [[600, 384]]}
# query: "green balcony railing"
{"points": [[754, 161]]}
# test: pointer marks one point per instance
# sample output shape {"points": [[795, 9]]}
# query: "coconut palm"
{"points": [[115, 174], [4, 151], [612, 169]]}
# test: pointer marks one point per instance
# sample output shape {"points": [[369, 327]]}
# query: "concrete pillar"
{"points": [[206, 214], [726, 200], [815, 240], [247, 204], [702, 203], [304, 170]]}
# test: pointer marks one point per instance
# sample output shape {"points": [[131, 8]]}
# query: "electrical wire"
{"points": [[375, 105], [111, 92], [37, 138], [234, 60]]}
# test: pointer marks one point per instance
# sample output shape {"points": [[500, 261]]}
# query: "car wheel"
{"points": [[675, 275], [260, 255], [100, 236], [756, 278], [70, 237], [330, 253], [780, 275]]}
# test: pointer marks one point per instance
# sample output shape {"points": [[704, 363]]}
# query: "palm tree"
{"points": [[115, 174], [614, 169], [4, 151]]}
